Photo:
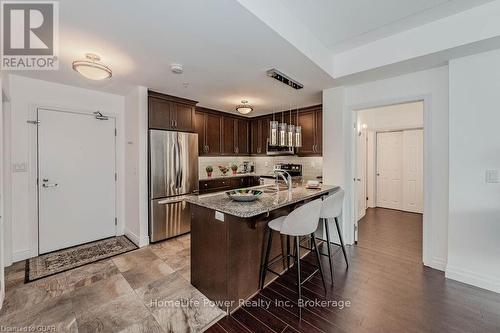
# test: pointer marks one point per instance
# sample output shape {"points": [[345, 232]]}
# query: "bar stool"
{"points": [[303, 221], [332, 208]]}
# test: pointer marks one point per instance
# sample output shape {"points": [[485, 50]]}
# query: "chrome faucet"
{"points": [[287, 179]]}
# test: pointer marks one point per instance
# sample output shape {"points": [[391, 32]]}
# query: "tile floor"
{"points": [[146, 290]]}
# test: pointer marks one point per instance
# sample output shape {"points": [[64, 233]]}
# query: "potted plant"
{"points": [[209, 169], [224, 169], [234, 167]]}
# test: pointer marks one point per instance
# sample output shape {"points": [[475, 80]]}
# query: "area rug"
{"points": [[76, 256]]}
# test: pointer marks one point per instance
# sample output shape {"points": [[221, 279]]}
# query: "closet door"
{"points": [[390, 170], [413, 163]]}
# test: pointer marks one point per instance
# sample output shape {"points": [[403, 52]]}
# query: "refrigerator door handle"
{"points": [[176, 166], [181, 164]]}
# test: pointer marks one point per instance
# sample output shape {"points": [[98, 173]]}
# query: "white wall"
{"points": [[393, 117], [25, 96], [338, 120], [474, 205], [136, 196]]}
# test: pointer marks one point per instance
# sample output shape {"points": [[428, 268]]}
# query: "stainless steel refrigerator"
{"points": [[173, 171]]}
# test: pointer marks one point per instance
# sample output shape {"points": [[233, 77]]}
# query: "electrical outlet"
{"points": [[219, 216], [19, 167], [491, 176]]}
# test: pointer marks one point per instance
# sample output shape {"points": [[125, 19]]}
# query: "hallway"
{"points": [[392, 232]]}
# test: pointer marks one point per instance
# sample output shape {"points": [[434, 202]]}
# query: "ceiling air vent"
{"points": [[276, 74]]}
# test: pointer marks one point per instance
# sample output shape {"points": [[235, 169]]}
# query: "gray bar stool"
{"points": [[332, 208], [303, 221]]}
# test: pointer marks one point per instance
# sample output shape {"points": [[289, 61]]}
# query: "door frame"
{"points": [[427, 125], [34, 169]]}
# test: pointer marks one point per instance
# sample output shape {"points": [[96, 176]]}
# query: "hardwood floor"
{"points": [[392, 232], [386, 289]]}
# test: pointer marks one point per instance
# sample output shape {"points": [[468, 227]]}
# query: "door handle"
{"points": [[50, 185]]}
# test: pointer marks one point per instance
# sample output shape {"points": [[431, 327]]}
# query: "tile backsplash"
{"points": [[312, 167]]}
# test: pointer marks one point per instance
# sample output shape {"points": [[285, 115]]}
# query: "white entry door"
{"points": [[76, 179], [390, 170]]}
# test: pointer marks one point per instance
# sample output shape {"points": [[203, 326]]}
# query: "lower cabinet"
{"points": [[226, 184]]}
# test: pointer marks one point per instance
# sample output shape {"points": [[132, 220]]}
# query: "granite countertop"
{"points": [[248, 174], [267, 201]]}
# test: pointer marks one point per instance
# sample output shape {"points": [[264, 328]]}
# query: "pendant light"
{"points": [[291, 131], [282, 131], [273, 131], [298, 132]]}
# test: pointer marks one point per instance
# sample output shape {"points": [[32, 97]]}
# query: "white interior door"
{"points": [[413, 141], [76, 177], [390, 170], [361, 176]]}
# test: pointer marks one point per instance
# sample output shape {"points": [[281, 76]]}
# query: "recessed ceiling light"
{"points": [[176, 68], [92, 68], [244, 108]]}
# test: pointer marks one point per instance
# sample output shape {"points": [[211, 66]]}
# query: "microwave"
{"points": [[278, 150]]}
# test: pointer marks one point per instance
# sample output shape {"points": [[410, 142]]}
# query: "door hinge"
{"points": [[116, 132], [116, 221], [33, 122], [116, 176]]}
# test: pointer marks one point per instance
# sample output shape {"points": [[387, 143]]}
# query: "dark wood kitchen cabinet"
{"points": [[209, 128], [259, 135], [229, 132], [226, 134], [311, 122], [221, 134], [243, 137], [225, 184], [235, 135], [170, 112]]}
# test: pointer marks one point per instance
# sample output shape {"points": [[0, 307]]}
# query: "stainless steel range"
{"points": [[173, 171], [295, 170]]}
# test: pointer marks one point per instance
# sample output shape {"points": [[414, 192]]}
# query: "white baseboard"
{"points": [[486, 282], [139, 241], [144, 241], [21, 255], [436, 263], [132, 236]]}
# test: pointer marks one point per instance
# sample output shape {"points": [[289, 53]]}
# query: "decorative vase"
{"points": [[235, 172], [209, 174]]}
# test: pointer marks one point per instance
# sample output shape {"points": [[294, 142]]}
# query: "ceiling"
{"points": [[224, 49], [345, 24]]}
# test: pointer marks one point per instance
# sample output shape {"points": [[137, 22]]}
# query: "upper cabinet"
{"points": [[208, 125], [311, 121], [170, 112], [220, 133], [259, 135]]}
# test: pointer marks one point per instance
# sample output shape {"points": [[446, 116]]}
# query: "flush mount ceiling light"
{"points": [[244, 108], [92, 68]]}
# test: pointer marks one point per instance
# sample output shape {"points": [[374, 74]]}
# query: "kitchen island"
{"points": [[227, 240]]}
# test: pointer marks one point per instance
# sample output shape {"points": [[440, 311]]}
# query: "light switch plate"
{"points": [[19, 167], [219, 216], [491, 176]]}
